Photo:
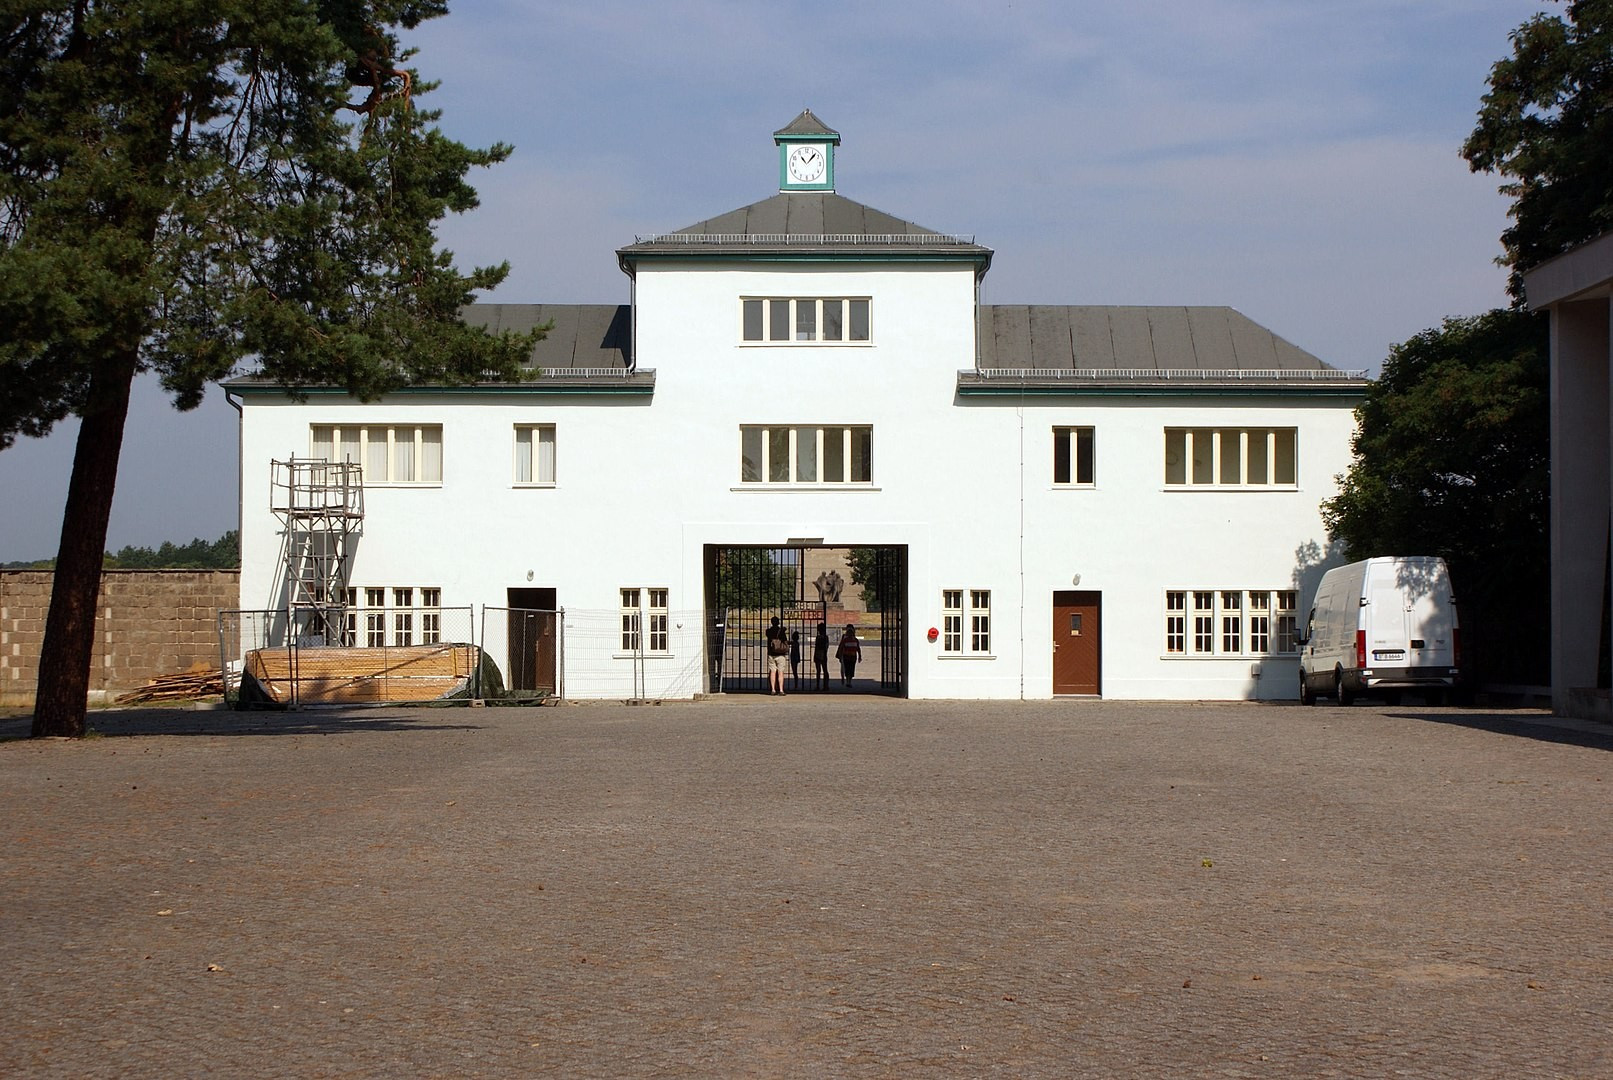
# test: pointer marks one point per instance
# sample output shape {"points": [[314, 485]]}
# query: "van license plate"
{"points": [[1389, 654]]}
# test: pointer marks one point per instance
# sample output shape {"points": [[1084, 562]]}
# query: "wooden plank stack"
{"points": [[333, 675], [199, 682]]}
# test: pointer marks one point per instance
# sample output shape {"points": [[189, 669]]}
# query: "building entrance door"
{"points": [[1077, 655], [533, 625]]}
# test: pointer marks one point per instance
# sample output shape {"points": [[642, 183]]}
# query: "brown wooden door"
{"points": [[533, 626], [1076, 651]]}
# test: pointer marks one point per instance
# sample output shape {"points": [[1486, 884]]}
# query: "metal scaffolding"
{"points": [[321, 504]]}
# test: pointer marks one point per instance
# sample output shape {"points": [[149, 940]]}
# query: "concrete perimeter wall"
{"points": [[147, 623]]}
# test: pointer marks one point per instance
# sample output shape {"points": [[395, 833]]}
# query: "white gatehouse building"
{"points": [[806, 411]]}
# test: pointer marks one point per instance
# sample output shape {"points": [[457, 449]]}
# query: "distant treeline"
{"points": [[221, 554]]}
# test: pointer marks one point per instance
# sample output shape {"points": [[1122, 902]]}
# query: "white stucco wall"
{"points": [[964, 484]]}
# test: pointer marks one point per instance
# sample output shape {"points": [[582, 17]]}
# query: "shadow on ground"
{"points": [[1543, 728], [113, 723]]}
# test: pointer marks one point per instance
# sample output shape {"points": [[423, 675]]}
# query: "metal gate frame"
{"points": [[747, 585]]}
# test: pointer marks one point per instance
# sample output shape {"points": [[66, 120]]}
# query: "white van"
{"points": [[1381, 626]]}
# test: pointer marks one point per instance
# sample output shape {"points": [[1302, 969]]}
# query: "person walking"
{"points": [[778, 658], [850, 652], [820, 657]]}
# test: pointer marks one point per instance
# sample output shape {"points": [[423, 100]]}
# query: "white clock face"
{"points": [[807, 164]]}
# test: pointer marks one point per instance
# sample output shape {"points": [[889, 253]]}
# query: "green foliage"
{"points": [[752, 575], [186, 184], [881, 592], [1452, 458], [193, 182], [222, 554], [1547, 126]]}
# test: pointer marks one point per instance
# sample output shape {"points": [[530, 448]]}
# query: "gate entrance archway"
{"points": [[803, 585]]}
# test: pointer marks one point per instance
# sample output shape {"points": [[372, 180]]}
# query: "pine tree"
{"points": [[187, 183]]}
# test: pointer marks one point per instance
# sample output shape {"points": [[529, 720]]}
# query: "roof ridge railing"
{"points": [[550, 371], [1168, 374], [805, 239]]}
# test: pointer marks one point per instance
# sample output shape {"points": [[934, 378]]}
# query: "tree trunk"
{"points": [[64, 659]]}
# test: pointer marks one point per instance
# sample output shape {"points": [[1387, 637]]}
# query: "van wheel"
{"points": [[1344, 695], [1307, 696]]}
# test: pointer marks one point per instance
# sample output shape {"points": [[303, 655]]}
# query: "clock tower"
{"points": [[806, 160]]}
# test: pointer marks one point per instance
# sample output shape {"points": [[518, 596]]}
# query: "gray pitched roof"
{"points": [[589, 349], [591, 336], [808, 125], [1075, 349], [1046, 336], [806, 224]]}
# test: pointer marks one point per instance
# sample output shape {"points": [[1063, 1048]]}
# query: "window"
{"points": [[645, 622], [1287, 622], [403, 617], [956, 640], [806, 455], [1231, 457], [980, 620], [1072, 455], [1230, 622], [952, 620], [777, 320], [431, 616], [1175, 622], [534, 453], [1260, 622], [630, 620], [656, 619], [396, 454], [1204, 622], [375, 618], [400, 622]]}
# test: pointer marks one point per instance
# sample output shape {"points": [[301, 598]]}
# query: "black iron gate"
{"points": [[746, 587]]}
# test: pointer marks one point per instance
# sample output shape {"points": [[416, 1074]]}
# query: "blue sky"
{"points": [[1295, 159]]}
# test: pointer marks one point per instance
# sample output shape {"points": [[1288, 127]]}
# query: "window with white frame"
{"points": [[980, 620], [951, 620], [1231, 457], [806, 454], [1073, 461], [1230, 622], [391, 616], [1260, 622], [403, 616], [777, 320], [430, 616], [534, 454], [350, 620], [389, 453], [644, 620], [1176, 621], [1203, 621], [965, 622], [1287, 616], [375, 618]]}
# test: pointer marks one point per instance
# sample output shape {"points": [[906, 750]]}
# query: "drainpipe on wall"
{"points": [[240, 436], [1020, 411]]}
